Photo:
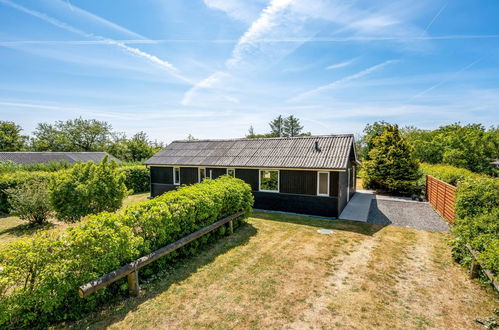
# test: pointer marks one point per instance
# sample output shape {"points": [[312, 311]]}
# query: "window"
{"points": [[323, 183], [231, 172], [176, 175], [269, 180], [202, 174]]}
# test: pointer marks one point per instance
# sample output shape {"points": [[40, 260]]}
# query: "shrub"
{"points": [[30, 201], [87, 189], [476, 196], [137, 178], [448, 173], [39, 276], [15, 179], [391, 165]]}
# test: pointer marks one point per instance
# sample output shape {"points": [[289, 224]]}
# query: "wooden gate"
{"points": [[441, 196]]}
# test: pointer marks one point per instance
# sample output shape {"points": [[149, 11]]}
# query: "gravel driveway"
{"points": [[411, 214]]}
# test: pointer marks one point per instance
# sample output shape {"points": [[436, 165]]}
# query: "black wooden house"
{"points": [[309, 175]]}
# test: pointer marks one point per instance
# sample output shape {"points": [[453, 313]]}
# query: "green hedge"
{"points": [[476, 211], [40, 275], [137, 178], [14, 179]]}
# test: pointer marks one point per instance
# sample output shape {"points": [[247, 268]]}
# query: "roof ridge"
{"points": [[267, 138]]}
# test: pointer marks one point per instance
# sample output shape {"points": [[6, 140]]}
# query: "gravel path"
{"points": [[411, 214]]}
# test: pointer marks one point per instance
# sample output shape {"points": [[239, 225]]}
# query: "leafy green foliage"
{"points": [[39, 276], [15, 179], [477, 214], [10, 137], [10, 166], [391, 165], [137, 178], [30, 201], [72, 135], [136, 149], [469, 146], [87, 189]]}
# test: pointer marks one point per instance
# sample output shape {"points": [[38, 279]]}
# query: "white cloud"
{"points": [[205, 83], [341, 64], [241, 10], [135, 51], [340, 82]]}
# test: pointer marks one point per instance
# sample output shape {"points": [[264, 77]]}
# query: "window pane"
{"points": [[202, 174], [323, 183], [176, 178], [231, 172], [269, 180]]}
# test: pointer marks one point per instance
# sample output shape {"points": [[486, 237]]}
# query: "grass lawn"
{"points": [[12, 228], [276, 271]]}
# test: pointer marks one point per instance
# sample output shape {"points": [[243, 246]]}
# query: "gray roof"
{"points": [[294, 152], [49, 156]]}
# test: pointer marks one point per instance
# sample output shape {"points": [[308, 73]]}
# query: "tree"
{"points": [[30, 201], [88, 189], [365, 143], [277, 126], [391, 165], [190, 137], [292, 126], [10, 137], [251, 131], [135, 149], [72, 135]]}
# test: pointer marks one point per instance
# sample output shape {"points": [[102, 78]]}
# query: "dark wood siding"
{"points": [[162, 175], [249, 176], [188, 175], [160, 188], [333, 184], [298, 182], [342, 190], [216, 172], [315, 205]]}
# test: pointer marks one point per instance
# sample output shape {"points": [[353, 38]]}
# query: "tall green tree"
{"points": [[72, 135], [391, 166], [135, 149], [277, 126], [10, 137], [365, 143], [292, 126]]}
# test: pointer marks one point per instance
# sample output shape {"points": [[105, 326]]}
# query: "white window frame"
{"points": [[177, 183], [199, 174], [233, 169], [260, 180], [318, 182], [348, 185]]}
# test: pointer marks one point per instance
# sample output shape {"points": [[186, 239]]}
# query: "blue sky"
{"points": [[212, 68]]}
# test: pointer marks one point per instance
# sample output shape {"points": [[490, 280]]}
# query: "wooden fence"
{"points": [[131, 270], [441, 196]]}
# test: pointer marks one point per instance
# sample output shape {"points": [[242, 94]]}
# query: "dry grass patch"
{"points": [[278, 272]]}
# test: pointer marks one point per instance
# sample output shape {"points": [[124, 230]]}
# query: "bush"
{"points": [[391, 165], [52, 166], [476, 196], [15, 179], [87, 189], [137, 178], [39, 276], [31, 201], [448, 173]]}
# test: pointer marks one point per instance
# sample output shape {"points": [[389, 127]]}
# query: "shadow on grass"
{"points": [[25, 229], [179, 271], [344, 225]]}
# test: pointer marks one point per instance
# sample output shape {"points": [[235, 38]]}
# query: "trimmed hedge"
{"points": [[136, 179], [477, 214], [40, 275]]}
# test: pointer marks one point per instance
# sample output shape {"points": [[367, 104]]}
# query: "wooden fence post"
{"points": [[474, 268], [133, 283], [231, 227]]}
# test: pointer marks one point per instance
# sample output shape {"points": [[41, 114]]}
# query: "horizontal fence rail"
{"points": [[475, 264], [131, 270], [441, 196]]}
